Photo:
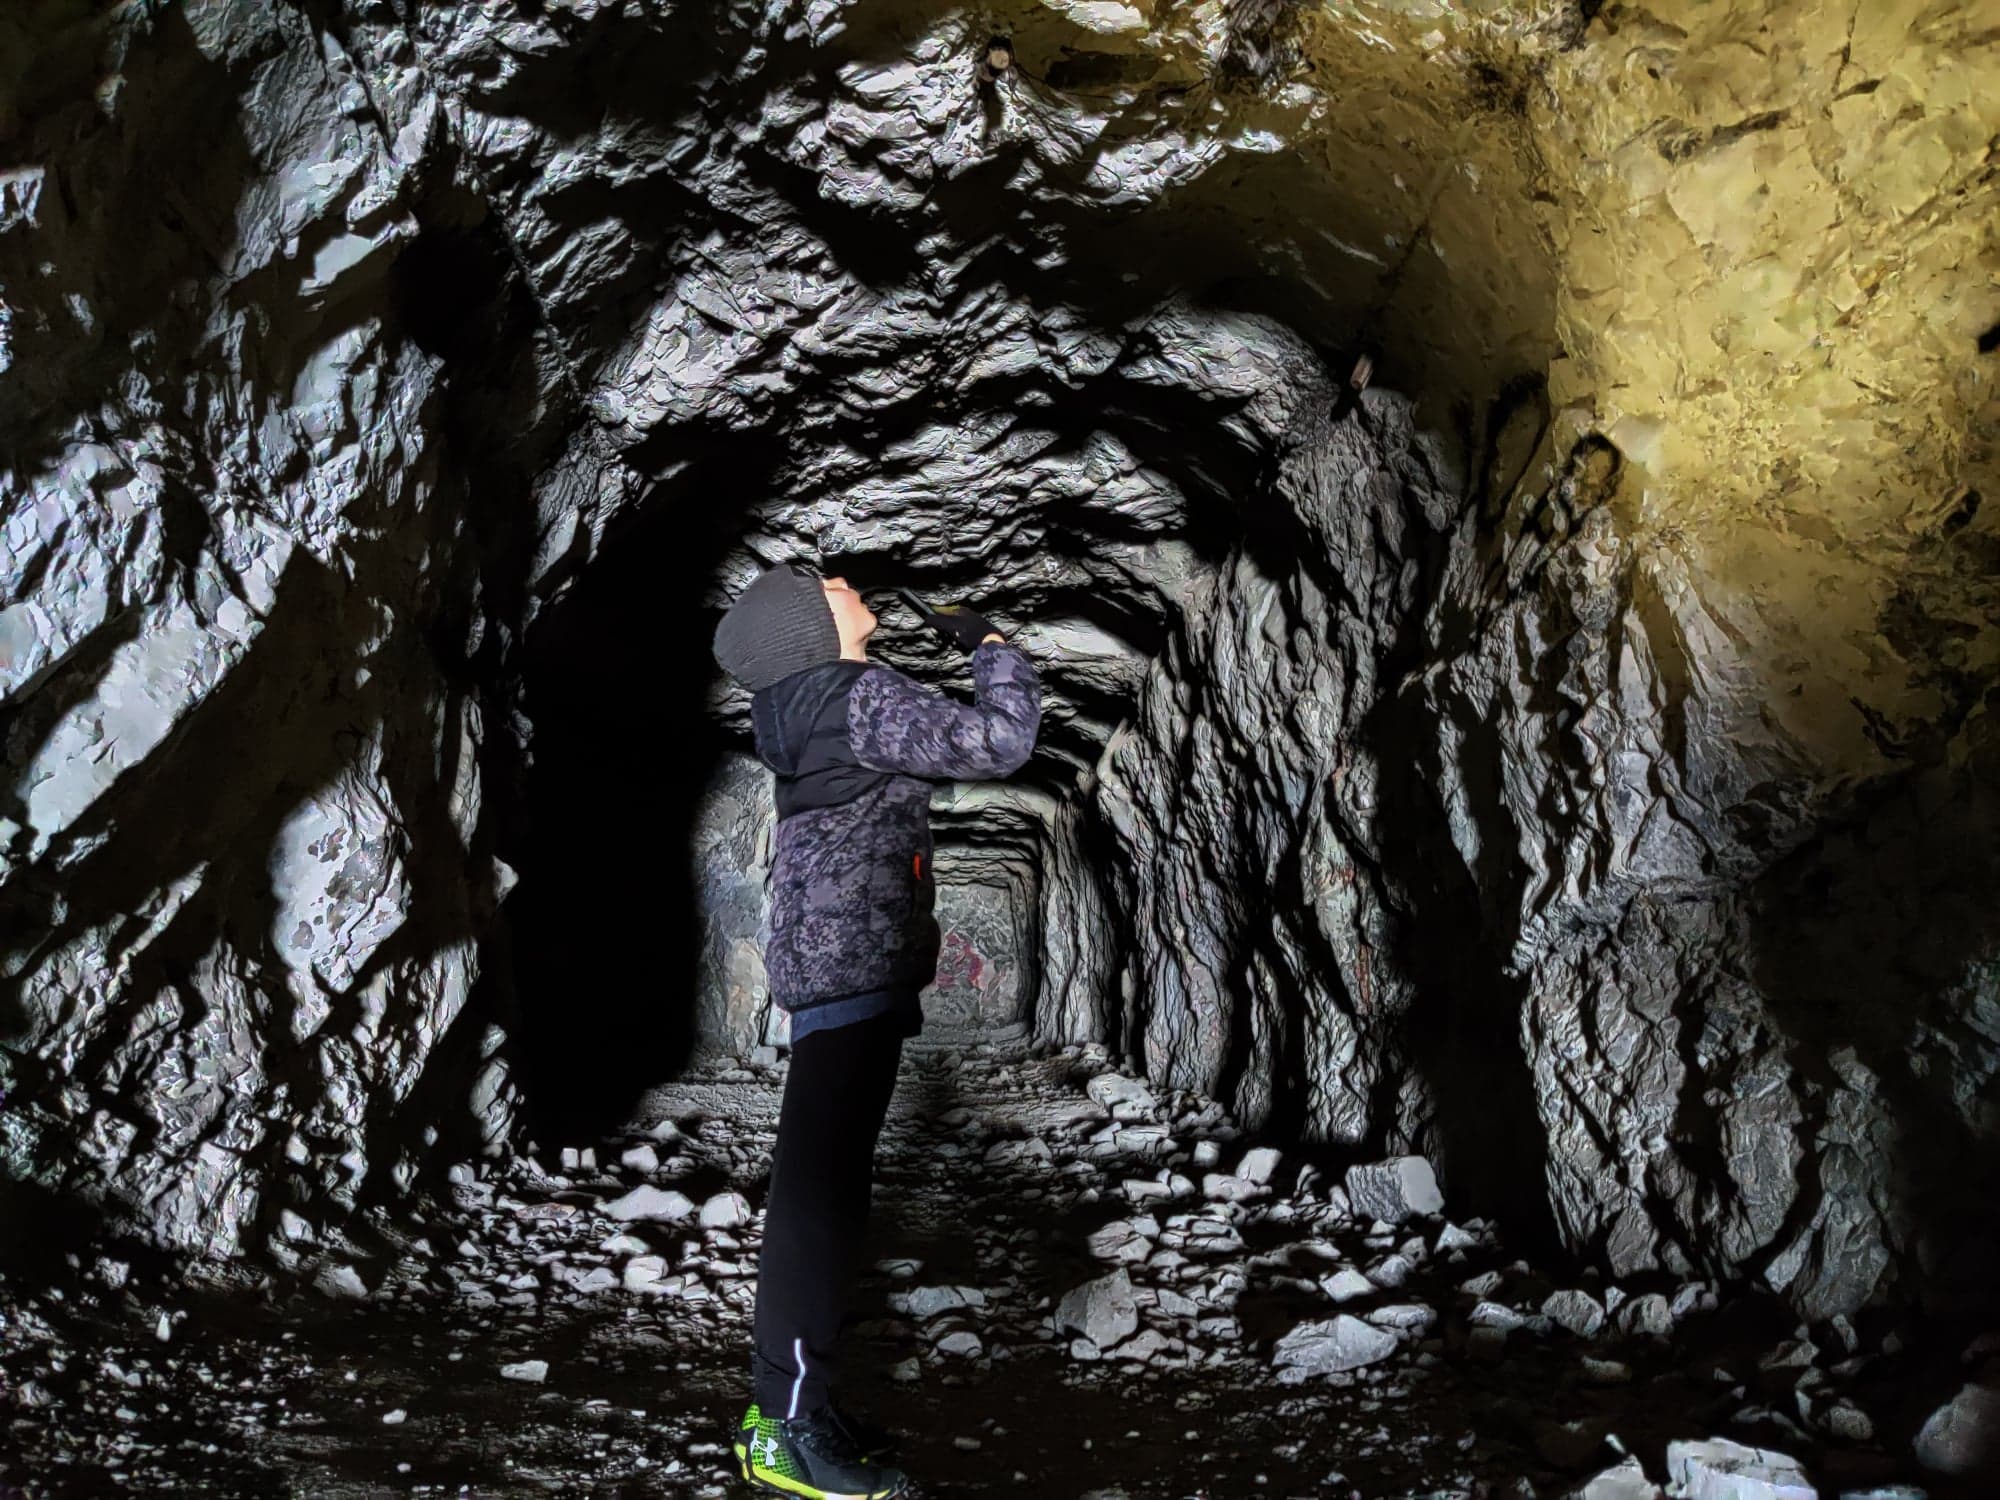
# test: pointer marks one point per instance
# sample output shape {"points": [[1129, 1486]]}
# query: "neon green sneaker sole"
{"points": [[767, 1462]]}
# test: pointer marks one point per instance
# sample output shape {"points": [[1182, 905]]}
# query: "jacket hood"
{"points": [[782, 715]]}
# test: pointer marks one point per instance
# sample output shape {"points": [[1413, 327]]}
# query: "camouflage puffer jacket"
{"points": [[856, 747]]}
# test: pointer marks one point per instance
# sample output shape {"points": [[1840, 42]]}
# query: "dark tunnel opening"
{"points": [[604, 929]]}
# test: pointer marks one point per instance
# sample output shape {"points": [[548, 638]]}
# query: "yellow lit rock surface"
{"points": [[1753, 244]]}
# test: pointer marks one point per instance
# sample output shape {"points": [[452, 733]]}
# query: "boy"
{"points": [[855, 748]]}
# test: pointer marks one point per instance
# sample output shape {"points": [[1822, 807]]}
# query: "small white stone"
{"points": [[725, 1211], [535, 1371], [394, 1418], [640, 1159], [344, 1281], [1451, 1237], [661, 1204], [1258, 1165], [1346, 1284]]}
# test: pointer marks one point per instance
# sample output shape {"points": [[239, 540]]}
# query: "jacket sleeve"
{"points": [[896, 724]]}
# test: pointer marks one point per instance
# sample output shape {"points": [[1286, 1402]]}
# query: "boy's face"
{"points": [[855, 620]]}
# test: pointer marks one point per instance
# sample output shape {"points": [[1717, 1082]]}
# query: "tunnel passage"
{"points": [[989, 914], [1425, 764]]}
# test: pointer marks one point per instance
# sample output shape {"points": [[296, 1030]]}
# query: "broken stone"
{"points": [[1496, 1315], [588, 1282], [1144, 1345], [1719, 1469], [1962, 1437], [1649, 1316], [1391, 1271], [1451, 1237], [1258, 1165], [663, 1205], [725, 1211], [1220, 1189], [1848, 1423], [1346, 1284], [926, 1302], [1411, 1319], [534, 1371], [341, 1280], [1030, 1152], [640, 1158], [1579, 1312], [1698, 1297], [643, 1273], [1103, 1311], [1123, 1098], [1395, 1190], [1333, 1345]]}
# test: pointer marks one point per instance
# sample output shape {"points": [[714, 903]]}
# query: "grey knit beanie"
{"points": [[779, 625]]}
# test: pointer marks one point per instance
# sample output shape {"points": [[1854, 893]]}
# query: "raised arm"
{"points": [[899, 725]]}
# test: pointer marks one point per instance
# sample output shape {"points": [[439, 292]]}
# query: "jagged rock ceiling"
{"points": [[1571, 755]]}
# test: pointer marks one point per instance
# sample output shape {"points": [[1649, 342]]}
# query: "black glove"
{"points": [[961, 626]]}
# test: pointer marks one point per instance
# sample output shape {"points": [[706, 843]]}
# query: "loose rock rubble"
{"points": [[1059, 1307]]}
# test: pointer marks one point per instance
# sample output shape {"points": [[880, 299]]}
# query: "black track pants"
{"points": [[822, 1170]]}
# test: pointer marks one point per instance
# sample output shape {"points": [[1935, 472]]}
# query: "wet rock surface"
{"points": [[531, 1342]]}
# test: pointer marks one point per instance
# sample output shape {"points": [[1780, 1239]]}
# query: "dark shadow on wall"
{"points": [[124, 225], [1478, 1117], [1882, 938], [604, 927], [212, 799]]}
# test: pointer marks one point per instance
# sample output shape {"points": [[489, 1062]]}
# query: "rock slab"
{"points": [[1394, 1190], [1718, 1469], [1103, 1311], [1334, 1344]]}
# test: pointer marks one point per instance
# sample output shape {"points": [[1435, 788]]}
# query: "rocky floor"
{"points": [[1084, 1289]]}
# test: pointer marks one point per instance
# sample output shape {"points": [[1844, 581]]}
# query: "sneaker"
{"points": [[811, 1456]]}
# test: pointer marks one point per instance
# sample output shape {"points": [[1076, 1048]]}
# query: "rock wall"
{"points": [[1578, 769], [243, 876], [986, 965]]}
